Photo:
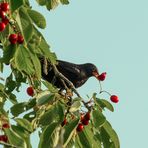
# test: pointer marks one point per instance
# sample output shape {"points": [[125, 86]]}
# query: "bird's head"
{"points": [[91, 70]]}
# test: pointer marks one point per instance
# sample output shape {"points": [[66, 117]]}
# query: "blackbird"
{"points": [[78, 74]]}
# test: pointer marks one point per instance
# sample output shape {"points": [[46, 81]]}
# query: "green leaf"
{"points": [[52, 4], [49, 137], [22, 133], [50, 87], [8, 53], [31, 103], [1, 66], [71, 143], [30, 116], [23, 60], [108, 131], [15, 4], [10, 84], [12, 98], [37, 65], [75, 106], [25, 124], [41, 2], [1, 87], [103, 103], [64, 2], [18, 109], [70, 130], [98, 118], [87, 138], [25, 24], [45, 97], [54, 114], [37, 18], [15, 139]]}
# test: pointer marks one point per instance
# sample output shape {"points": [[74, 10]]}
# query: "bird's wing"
{"points": [[69, 70]]}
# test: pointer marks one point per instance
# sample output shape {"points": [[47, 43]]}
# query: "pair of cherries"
{"points": [[113, 98]]}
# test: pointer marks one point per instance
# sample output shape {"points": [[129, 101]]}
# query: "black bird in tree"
{"points": [[78, 74]]}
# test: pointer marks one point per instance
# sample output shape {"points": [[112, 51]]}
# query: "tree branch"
{"points": [[9, 145]]}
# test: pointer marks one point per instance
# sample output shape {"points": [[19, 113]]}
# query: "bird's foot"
{"points": [[69, 93]]}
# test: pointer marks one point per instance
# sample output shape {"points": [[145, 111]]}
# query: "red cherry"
{"points": [[2, 26], [64, 122], [4, 6], [5, 21], [13, 38], [87, 116], [82, 116], [30, 91], [2, 14], [85, 122], [20, 39], [6, 125], [102, 76], [4, 138], [114, 98], [80, 127]]}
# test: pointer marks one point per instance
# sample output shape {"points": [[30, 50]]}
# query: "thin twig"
{"points": [[2, 79], [9, 145], [60, 75], [45, 68]]}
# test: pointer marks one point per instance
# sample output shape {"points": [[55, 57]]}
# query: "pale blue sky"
{"points": [[114, 36]]}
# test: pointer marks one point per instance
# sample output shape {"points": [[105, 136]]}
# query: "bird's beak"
{"points": [[96, 74]]}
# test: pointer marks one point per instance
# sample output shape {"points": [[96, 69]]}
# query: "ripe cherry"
{"points": [[5, 125], [2, 26], [80, 127], [87, 116], [85, 122], [13, 38], [81, 116], [30, 91], [64, 122], [4, 138], [114, 98], [20, 39], [4, 6], [2, 14], [102, 76], [5, 21]]}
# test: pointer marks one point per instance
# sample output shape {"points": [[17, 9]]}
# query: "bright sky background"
{"points": [[112, 34]]}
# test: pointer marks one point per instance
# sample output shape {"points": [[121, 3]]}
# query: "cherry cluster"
{"points": [[4, 8], [16, 38], [113, 98], [13, 38], [3, 137], [83, 122]]}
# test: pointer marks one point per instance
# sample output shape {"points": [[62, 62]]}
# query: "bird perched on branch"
{"points": [[78, 74]]}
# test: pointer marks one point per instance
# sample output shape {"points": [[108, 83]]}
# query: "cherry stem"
{"points": [[105, 92], [12, 24], [100, 87], [101, 90]]}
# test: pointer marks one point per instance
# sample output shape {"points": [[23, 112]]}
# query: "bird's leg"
{"points": [[64, 79], [68, 91], [45, 66], [61, 92]]}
